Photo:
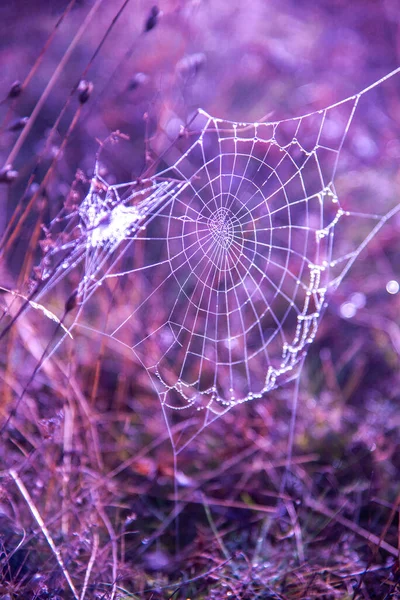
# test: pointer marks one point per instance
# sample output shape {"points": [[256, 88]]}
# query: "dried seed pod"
{"points": [[152, 19], [18, 124], [8, 174], [15, 89], [137, 80], [191, 64], [85, 89]]}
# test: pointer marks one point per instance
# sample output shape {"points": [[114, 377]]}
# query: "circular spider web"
{"points": [[231, 253], [238, 277]]}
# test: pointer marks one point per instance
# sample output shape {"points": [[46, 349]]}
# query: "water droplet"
{"points": [[392, 287], [348, 310], [358, 299]]}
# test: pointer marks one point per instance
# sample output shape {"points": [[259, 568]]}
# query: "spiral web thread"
{"points": [[231, 254]]}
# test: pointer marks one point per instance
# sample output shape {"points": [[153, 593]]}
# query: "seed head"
{"points": [[8, 174], [152, 19], [137, 80], [15, 89], [18, 124], [85, 89]]}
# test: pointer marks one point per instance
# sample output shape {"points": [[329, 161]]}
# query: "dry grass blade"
{"points": [[36, 514], [366, 535]]}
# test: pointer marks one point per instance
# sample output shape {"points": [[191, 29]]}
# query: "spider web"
{"points": [[231, 251]]}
